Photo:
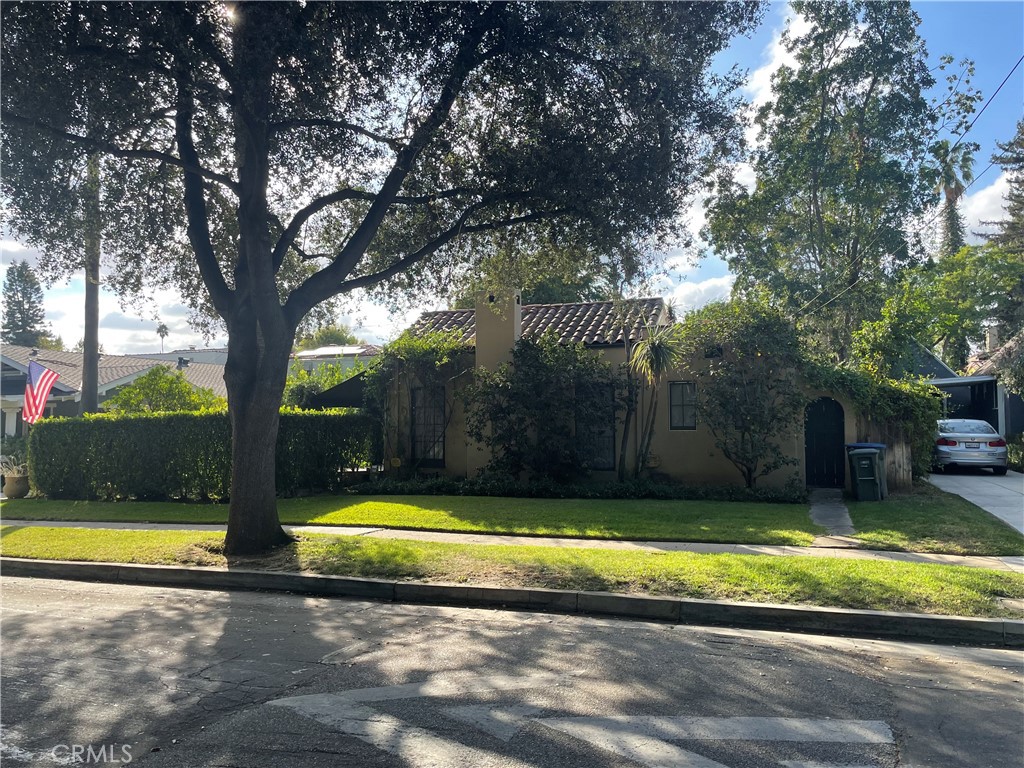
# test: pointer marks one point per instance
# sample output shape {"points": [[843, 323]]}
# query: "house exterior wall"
{"points": [[687, 456]]}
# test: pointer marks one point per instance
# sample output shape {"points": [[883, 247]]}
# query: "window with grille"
{"points": [[682, 397], [428, 421], [595, 439]]}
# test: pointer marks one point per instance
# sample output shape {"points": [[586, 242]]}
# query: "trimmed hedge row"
{"points": [[188, 455]]}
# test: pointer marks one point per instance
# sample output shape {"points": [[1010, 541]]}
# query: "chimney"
{"points": [[499, 324], [183, 362], [991, 339]]}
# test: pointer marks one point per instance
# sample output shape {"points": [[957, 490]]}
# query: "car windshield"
{"points": [[963, 427]]}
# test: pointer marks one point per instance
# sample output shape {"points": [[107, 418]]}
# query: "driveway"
{"points": [[1000, 496]]}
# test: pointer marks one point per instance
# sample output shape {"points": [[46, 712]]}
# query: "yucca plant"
{"points": [[653, 358]]}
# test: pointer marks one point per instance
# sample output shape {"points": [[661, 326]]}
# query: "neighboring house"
{"points": [[115, 371], [978, 394], [1009, 416], [215, 355], [345, 356], [428, 430]]}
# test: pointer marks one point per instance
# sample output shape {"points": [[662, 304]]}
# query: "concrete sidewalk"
{"points": [[1001, 496], [1015, 563]]}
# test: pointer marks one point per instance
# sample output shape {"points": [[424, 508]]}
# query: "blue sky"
{"points": [[990, 33]]}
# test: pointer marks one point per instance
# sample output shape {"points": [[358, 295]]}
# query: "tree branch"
{"points": [[465, 61], [192, 167], [441, 240], [342, 125], [287, 239], [195, 208]]}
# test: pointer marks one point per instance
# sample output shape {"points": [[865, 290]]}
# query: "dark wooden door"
{"points": [[824, 444]]}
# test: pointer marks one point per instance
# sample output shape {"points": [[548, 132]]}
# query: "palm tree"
{"points": [[956, 172], [162, 332], [653, 358]]}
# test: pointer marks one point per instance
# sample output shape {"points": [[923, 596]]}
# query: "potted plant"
{"points": [[15, 475]]}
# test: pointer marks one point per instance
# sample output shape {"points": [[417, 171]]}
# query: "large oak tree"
{"points": [[266, 157]]}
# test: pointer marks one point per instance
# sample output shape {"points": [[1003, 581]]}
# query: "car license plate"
{"points": [[972, 445]]}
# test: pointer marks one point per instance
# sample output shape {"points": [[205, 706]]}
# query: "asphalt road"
{"points": [[97, 674]]}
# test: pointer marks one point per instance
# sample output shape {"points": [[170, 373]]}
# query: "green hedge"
{"points": [[188, 455]]}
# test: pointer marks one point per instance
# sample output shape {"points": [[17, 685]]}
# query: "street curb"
{"points": [[793, 618]]}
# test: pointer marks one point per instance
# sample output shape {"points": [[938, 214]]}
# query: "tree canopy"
{"points": [[841, 168], [1009, 234], [956, 299], [161, 390], [326, 336], [749, 388], [266, 157]]}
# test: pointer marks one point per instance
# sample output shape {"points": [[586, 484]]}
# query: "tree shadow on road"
{"points": [[186, 672]]}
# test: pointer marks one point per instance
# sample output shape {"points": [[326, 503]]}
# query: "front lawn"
{"points": [[840, 583], [644, 519], [930, 520]]}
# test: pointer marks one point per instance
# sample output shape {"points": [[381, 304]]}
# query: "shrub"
{"points": [[544, 488], [1015, 453], [550, 412], [188, 455]]}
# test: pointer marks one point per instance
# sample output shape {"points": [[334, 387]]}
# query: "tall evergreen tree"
{"points": [[24, 320], [1010, 231], [839, 169]]}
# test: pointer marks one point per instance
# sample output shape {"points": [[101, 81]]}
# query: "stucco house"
{"points": [[115, 371], [428, 429]]}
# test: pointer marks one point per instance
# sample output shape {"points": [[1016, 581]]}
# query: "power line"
{"points": [[920, 229], [987, 103]]}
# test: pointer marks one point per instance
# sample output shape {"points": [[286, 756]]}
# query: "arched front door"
{"points": [[824, 439]]}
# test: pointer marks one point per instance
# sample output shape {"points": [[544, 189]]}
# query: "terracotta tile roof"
{"points": [[112, 368], [987, 364], [592, 323]]}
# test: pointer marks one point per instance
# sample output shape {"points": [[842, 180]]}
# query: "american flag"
{"points": [[37, 389]]}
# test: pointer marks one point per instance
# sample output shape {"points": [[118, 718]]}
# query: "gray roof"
{"points": [[113, 370], [594, 323]]}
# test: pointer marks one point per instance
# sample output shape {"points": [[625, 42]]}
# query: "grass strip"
{"points": [[644, 519], [864, 584], [931, 520]]}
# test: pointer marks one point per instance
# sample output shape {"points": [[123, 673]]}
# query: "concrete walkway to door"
{"points": [[1002, 496]]}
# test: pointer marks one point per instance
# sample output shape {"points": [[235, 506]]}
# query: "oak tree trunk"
{"points": [[91, 337], [255, 375]]}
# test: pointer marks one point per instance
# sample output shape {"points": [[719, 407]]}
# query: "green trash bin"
{"points": [[865, 474], [881, 463]]}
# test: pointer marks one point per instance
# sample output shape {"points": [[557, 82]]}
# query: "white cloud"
{"points": [[687, 296], [985, 205], [775, 55], [378, 323]]}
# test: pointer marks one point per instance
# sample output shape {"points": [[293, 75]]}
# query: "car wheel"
{"points": [[998, 470]]}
